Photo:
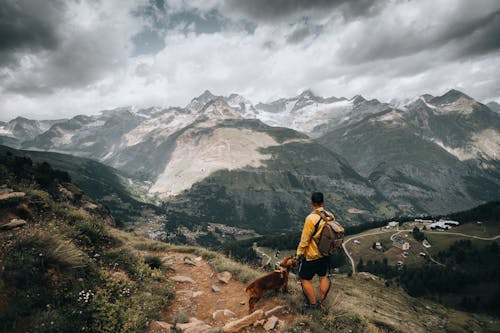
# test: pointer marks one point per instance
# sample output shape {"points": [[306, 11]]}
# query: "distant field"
{"points": [[438, 241]]}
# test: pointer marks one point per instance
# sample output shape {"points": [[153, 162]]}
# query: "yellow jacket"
{"points": [[308, 247]]}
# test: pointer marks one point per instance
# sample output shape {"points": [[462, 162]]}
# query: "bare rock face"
{"points": [[236, 325], [14, 223], [224, 277], [181, 278]]}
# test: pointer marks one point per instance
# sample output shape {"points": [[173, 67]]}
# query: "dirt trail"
{"points": [[200, 301]]}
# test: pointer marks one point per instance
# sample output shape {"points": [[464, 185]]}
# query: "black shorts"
{"points": [[308, 269]]}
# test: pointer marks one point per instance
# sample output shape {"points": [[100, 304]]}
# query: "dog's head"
{"points": [[287, 263]]}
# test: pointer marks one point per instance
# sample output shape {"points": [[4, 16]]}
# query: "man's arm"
{"points": [[305, 238]]}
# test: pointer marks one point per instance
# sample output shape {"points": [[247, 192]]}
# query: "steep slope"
{"points": [[97, 137], [261, 180], [438, 155], [494, 106], [18, 130], [312, 114], [102, 183], [456, 122]]}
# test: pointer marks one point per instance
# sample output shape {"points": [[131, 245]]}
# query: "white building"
{"points": [[444, 224], [393, 224]]}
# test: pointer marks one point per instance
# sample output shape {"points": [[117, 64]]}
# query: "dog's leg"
{"points": [[251, 304]]}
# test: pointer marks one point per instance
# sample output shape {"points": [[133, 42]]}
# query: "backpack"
{"points": [[332, 235]]}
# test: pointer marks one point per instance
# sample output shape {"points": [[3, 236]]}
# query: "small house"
{"points": [[357, 241], [378, 246]]}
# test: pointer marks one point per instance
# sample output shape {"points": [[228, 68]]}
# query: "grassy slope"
{"points": [[101, 182]]}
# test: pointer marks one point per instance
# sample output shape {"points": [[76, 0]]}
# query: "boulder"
{"points": [[160, 327], [14, 223], [271, 323], [236, 325], [194, 326], [181, 278], [223, 315], [9, 195], [224, 277], [189, 261]]}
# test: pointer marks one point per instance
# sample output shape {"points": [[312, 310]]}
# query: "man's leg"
{"points": [[324, 287], [308, 289]]}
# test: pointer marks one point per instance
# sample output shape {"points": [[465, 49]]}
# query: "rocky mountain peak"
{"points": [[358, 99], [450, 97], [197, 103], [494, 106]]}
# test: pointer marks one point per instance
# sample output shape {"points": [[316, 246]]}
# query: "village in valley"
{"points": [[400, 244]]}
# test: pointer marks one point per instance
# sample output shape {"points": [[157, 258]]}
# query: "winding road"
{"points": [[410, 230]]}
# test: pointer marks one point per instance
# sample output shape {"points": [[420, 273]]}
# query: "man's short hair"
{"points": [[317, 198]]}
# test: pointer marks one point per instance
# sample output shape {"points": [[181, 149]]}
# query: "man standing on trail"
{"points": [[311, 261]]}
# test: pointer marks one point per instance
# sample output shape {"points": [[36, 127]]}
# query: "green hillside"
{"points": [[102, 183]]}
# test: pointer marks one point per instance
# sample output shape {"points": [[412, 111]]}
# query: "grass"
{"points": [[58, 274]]}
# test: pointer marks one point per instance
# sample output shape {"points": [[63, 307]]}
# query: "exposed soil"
{"points": [[231, 295]]}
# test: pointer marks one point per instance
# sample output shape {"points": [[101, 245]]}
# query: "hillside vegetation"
{"points": [[63, 267]]}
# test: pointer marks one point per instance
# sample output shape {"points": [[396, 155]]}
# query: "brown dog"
{"points": [[273, 281]]}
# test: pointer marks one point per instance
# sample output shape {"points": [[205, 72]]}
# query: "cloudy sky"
{"points": [[59, 58]]}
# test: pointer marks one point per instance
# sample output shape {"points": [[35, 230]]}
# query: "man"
{"points": [[312, 262]]}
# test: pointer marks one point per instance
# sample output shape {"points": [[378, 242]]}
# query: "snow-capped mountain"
{"points": [[413, 155]]}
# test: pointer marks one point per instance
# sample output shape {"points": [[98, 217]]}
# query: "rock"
{"points": [[223, 315], [198, 259], [271, 323], [194, 326], [236, 325], [197, 293], [8, 195], [189, 261], [181, 278], [242, 303], [259, 323], [160, 327], [215, 288], [274, 310], [224, 277], [367, 276], [14, 223]]}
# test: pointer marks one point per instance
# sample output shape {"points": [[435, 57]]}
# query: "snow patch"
{"points": [[195, 157], [5, 131]]}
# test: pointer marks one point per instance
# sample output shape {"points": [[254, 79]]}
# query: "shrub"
{"points": [[91, 233], [154, 262], [123, 259]]}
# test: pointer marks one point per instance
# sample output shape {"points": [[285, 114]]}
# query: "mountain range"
{"points": [[226, 160]]}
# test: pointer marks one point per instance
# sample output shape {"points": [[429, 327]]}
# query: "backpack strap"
{"points": [[316, 226]]}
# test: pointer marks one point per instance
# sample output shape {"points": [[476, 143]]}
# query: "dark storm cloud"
{"points": [[28, 26], [484, 36], [459, 37], [265, 10]]}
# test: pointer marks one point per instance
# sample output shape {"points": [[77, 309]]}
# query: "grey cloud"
{"points": [[299, 35], [28, 25], [264, 10], [461, 37]]}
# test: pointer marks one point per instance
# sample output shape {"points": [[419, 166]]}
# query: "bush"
{"points": [[154, 262], [94, 234]]}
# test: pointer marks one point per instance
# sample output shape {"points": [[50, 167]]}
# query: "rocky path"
{"points": [[214, 300]]}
